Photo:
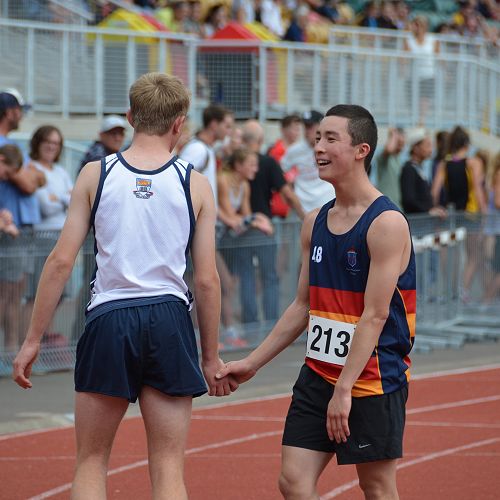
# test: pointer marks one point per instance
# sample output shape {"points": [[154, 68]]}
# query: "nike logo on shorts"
{"points": [[363, 445]]}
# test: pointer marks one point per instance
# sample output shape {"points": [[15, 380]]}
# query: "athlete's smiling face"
{"points": [[335, 155]]}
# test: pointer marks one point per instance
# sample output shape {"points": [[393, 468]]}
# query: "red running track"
{"points": [[452, 449]]}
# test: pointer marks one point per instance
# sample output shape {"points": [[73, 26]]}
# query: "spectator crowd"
{"points": [[256, 184], [291, 20]]}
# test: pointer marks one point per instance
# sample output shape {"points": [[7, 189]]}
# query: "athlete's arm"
{"points": [[57, 270], [291, 324], [477, 183], [437, 183], [389, 245], [206, 282]]}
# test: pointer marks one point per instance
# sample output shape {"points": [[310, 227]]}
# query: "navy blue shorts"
{"points": [[123, 349], [376, 423]]}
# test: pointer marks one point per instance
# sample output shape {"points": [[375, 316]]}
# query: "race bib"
{"points": [[329, 340]]}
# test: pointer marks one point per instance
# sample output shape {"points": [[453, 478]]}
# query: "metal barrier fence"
{"points": [[68, 70], [259, 277]]}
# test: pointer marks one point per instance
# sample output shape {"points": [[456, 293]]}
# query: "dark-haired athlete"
{"points": [[357, 293]]}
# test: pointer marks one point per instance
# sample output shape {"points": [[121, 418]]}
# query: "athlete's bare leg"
{"points": [[378, 480], [167, 422], [300, 471], [96, 420]]}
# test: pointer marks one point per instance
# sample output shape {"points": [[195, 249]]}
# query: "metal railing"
{"points": [[259, 279], [71, 70], [383, 39]]}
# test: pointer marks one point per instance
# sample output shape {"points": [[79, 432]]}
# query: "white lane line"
{"points": [[467, 425], [456, 371], [142, 463], [453, 404], [238, 418], [403, 465]]}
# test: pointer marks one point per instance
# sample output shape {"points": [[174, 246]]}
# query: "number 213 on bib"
{"points": [[329, 340]]}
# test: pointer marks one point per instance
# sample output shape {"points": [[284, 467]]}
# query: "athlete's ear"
{"points": [[362, 151], [178, 125], [129, 118]]}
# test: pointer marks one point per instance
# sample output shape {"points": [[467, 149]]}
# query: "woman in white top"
{"points": [[233, 190], [424, 46], [46, 147]]}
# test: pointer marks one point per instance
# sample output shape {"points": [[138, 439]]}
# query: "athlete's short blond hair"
{"points": [[156, 100]]}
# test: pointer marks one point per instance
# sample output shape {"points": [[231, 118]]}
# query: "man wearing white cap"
{"points": [[111, 138]]}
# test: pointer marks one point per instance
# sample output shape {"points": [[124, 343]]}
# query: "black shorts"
{"points": [[376, 423], [124, 349]]}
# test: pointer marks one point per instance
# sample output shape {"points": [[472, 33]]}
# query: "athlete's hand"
{"points": [[240, 371], [24, 362], [337, 415], [216, 386]]}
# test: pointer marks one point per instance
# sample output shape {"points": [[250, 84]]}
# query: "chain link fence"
{"points": [[259, 278]]}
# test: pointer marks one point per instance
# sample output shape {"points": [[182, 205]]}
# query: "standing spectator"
{"points": [[424, 46], [45, 149], [236, 214], [402, 15], [268, 179], [389, 165], [300, 163], [388, 16], [296, 31], [416, 197], [442, 138], [111, 139], [28, 179], [11, 266], [194, 22], [463, 179], [217, 125], [54, 196], [215, 20], [176, 16], [243, 11], [270, 16], [370, 15], [291, 127], [16, 196]]}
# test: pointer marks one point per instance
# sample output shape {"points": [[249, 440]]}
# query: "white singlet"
{"points": [[143, 224]]}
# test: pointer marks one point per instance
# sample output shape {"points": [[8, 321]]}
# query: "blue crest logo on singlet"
{"points": [[351, 257], [143, 188], [352, 262]]}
